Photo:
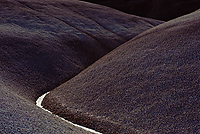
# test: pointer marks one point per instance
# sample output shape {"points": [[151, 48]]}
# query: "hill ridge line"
{"points": [[39, 104]]}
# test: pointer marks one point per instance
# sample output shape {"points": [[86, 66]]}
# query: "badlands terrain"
{"points": [[104, 69]]}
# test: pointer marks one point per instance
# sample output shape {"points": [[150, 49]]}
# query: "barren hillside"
{"points": [[45, 43], [151, 84]]}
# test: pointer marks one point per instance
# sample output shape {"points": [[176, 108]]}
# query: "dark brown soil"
{"points": [[151, 84]]}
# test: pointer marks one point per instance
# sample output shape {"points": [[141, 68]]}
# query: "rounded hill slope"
{"points": [[44, 43], [19, 116], [151, 84]]}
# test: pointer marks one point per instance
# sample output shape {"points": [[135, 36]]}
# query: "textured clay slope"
{"points": [[43, 43], [19, 116], [149, 84], [158, 9]]}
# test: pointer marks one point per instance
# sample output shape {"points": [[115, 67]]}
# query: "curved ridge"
{"points": [[39, 104]]}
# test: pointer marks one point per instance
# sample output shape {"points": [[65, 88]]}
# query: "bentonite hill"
{"points": [[44, 43], [122, 73], [151, 84]]}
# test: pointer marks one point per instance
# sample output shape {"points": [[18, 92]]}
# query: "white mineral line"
{"points": [[39, 104]]}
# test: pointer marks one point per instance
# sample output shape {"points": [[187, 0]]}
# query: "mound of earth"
{"points": [[157, 9], [19, 116], [44, 43], [151, 84]]}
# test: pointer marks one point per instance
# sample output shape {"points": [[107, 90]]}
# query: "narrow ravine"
{"points": [[39, 104]]}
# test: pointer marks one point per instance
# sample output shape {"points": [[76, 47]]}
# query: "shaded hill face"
{"points": [[147, 85], [45, 43], [19, 116], [158, 9]]}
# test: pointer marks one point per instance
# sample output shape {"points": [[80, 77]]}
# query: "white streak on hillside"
{"points": [[39, 104]]}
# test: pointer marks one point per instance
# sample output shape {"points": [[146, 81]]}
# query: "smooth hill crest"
{"points": [[44, 43], [148, 85]]}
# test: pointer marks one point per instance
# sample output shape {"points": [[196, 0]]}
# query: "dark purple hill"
{"points": [[45, 43], [151, 84], [158, 9]]}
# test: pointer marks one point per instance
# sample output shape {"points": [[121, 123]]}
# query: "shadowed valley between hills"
{"points": [[151, 84], [157, 9], [45, 43]]}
